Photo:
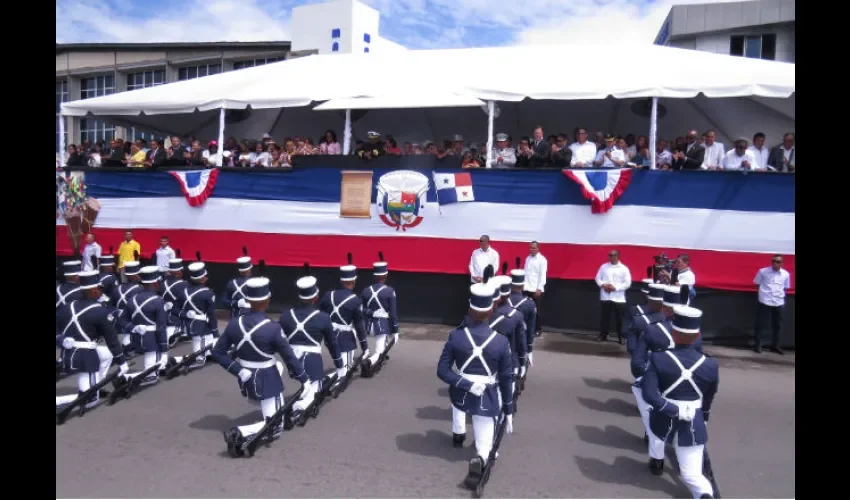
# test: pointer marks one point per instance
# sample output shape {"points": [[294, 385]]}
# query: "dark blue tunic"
{"points": [[147, 309], [86, 321], [510, 323], [526, 306], [346, 313], [379, 309], [306, 328]]}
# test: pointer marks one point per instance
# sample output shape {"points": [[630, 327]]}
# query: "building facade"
{"points": [[761, 29]]}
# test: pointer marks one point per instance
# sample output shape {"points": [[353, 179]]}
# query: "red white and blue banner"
{"points": [[197, 185], [601, 187], [729, 223]]}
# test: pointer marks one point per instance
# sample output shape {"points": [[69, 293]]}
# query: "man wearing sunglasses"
{"points": [[772, 282], [482, 257], [613, 280]]}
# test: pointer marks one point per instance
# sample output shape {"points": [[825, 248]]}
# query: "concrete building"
{"points": [[762, 29], [88, 70]]}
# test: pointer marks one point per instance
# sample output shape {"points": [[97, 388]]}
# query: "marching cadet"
{"points": [[234, 298], [257, 339], [70, 290], [346, 314], [199, 312], [146, 322], [379, 307], [477, 364], [502, 156], [641, 346], [306, 328], [121, 297], [78, 328], [108, 280], [173, 292], [526, 306], [656, 336], [508, 321], [679, 386], [644, 315]]}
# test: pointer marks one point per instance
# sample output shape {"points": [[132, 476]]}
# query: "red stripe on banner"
{"points": [[598, 206], [719, 270], [199, 200]]}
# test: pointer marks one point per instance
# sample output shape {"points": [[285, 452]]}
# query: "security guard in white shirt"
{"points": [[613, 280], [536, 267], [502, 156], [772, 282], [481, 258]]}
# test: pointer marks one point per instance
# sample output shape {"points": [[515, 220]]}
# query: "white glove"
{"points": [[687, 413], [522, 372], [509, 425], [396, 338], [308, 392], [103, 298], [243, 304], [478, 388], [340, 372], [191, 315], [123, 369], [168, 306], [244, 375], [531, 359], [140, 329], [366, 353], [68, 343]]}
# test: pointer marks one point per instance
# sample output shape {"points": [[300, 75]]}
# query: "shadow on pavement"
{"points": [[221, 423], [613, 405], [435, 444], [443, 392], [629, 472], [434, 413], [614, 384], [612, 437]]}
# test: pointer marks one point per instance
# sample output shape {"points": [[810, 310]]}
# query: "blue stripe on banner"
{"points": [[761, 192]]}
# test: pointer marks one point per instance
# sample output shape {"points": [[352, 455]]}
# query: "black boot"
{"points": [[602, 337], [706, 495], [457, 440], [656, 466], [366, 367]]}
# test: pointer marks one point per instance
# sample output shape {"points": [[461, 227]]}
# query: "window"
{"points": [[250, 63], [367, 38], [95, 130], [192, 72], [366, 50], [753, 46], [61, 96], [335, 33], [97, 86], [145, 79], [335, 47]]}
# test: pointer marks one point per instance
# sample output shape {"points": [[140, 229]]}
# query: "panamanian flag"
{"points": [[601, 187], [453, 188], [197, 185]]}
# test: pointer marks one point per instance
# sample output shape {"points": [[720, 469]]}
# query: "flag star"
{"points": [[465, 194], [445, 181]]}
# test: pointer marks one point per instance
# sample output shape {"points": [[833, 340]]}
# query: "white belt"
{"points": [[306, 348], [85, 345], [343, 328], [381, 314], [256, 365], [696, 404], [199, 317], [150, 328], [480, 379]]}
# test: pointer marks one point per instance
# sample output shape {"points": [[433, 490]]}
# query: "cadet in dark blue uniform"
{"points": [[346, 313], [70, 290], [657, 336], [257, 339], [173, 292], [477, 364], [680, 385], [146, 321], [379, 308], [108, 280], [122, 295], [234, 296], [306, 328], [198, 312], [526, 306], [635, 311], [79, 326], [640, 348], [645, 315], [509, 322]]}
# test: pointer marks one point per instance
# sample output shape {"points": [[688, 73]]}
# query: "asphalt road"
{"points": [[577, 434]]}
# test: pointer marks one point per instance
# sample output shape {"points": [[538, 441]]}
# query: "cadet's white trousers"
{"points": [[269, 407], [690, 464], [483, 430], [380, 346], [643, 408], [86, 380]]}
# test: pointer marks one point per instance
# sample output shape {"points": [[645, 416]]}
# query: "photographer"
{"points": [[677, 273]]}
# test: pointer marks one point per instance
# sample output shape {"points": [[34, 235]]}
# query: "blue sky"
{"points": [[416, 24]]}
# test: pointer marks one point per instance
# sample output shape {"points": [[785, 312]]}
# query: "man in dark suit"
{"points": [[177, 154], [541, 149], [692, 157], [157, 156], [781, 157], [561, 153]]}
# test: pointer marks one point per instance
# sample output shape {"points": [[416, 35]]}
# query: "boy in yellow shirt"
{"points": [[129, 251]]}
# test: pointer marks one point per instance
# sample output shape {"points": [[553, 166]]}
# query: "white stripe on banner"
{"points": [[720, 230]]}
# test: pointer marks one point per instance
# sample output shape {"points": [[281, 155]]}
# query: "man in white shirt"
{"points": [[663, 156], [536, 267], [611, 156], [686, 276], [714, 151], [481, 258], [760, 152], [772, 282], [502, 156], [584, 151], [613, 280], [164, 254], [91, 254], [739, 158]]}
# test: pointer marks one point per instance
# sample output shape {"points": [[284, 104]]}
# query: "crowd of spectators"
{"points": [[691, 151]]}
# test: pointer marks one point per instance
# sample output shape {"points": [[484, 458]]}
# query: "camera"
{"points": [[664, 270]]}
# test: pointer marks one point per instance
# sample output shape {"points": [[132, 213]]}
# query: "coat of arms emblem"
{"points": [[401, 198]]}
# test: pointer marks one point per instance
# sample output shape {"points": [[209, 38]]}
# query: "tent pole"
{"points": [[490, 112], [346, 137], [653, 131], [221, 115], [61, 140]]}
